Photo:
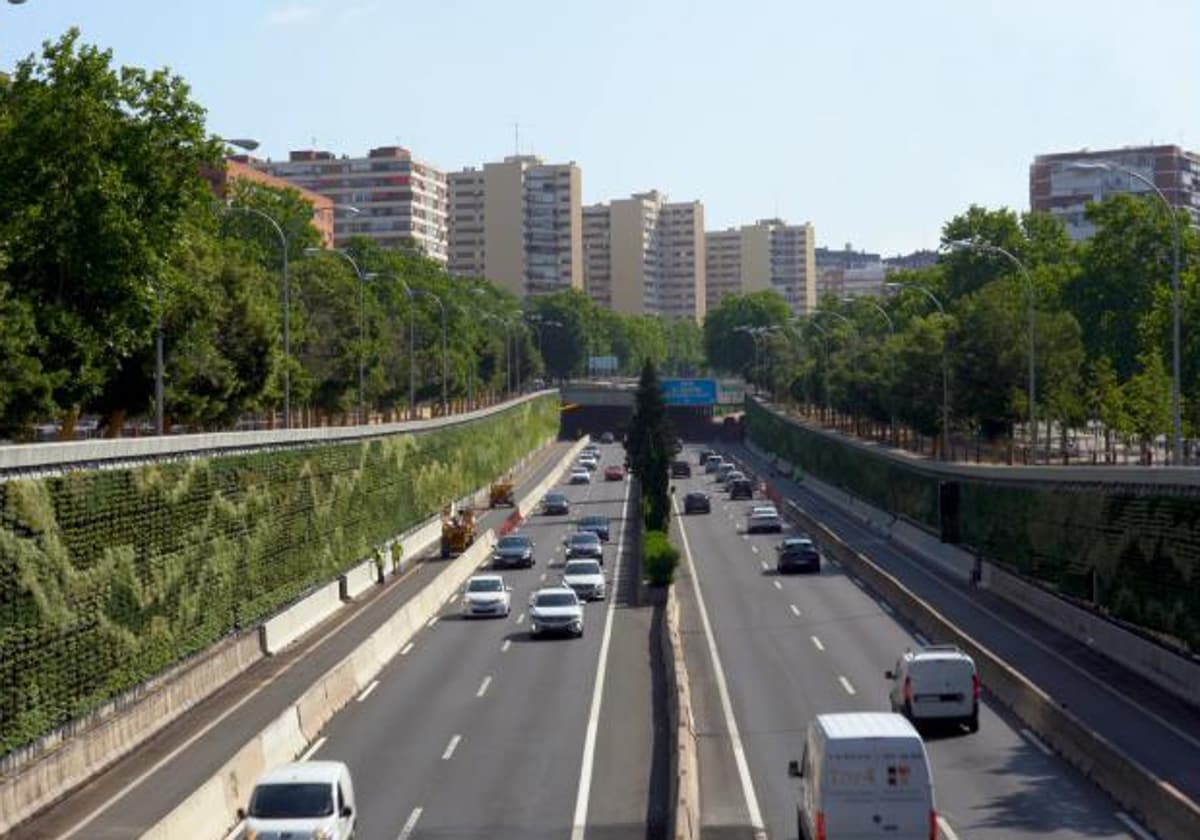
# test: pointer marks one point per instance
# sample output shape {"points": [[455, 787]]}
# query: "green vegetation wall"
{"points": [[1134, 547], [109, 577]]}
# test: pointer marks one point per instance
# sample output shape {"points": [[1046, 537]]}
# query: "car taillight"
{"points": [[975, 686], [820, 826], [933, 826], [908, 689]]}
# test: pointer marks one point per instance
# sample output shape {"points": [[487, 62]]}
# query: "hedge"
{"points": [[1136, 547], [659, 558], [109, 577]]}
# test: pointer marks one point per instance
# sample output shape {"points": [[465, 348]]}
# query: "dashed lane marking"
{"points": [[483, 686], [507, 644], [311, 751], [404, 650], [451, 747], [374, 684], [409, 824], [846, 685], [778, 585], [795, 610], [817, 643]]}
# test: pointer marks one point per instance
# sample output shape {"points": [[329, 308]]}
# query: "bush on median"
{"points": [[659, 558]]}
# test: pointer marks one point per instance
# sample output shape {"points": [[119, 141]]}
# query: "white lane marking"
{"points": [[579, 823], [451, 747], [857, 582], [404, 650], [543, 576], [431, 621], [520, 618], [946, 831], [795, 610], [409, 824], [846, 685], [237, 832], [745, 536], [371, 686], [778, 585], [1036, 741], [507, 644], [483, 687], [883, 605], [311, 751], [1134, 829], [763, 563], [817, 643], [754, 548], [735, 737]]}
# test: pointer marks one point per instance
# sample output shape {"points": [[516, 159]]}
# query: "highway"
{"points": [[481, 727], [792, 647]]}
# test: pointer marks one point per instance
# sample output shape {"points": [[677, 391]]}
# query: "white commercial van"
{"points": [[864, 775], [302, 799], [936, 683]]}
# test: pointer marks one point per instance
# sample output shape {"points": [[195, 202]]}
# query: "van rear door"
{"points": [[877, 789], [942, 687]]}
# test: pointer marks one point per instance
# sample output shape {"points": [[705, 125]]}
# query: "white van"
{"points": [[936, 682], [864, 775], [302, 799]]}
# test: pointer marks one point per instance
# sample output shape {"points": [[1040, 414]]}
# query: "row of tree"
{"points": [[110, 235], [1101, 328]]}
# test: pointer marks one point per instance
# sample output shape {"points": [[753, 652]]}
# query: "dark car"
{"points": [[697, 502], [513, 550], [607, 437], [681, 469], [556, 504], [585, 544], [741, 488], [598, 525], [704, 453], [798, 554]]}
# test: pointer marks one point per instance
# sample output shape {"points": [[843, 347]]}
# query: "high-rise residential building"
{"points": [[401, 201], [1057, 188], [645, 256], [518, 223], [243, 168], [769, 254]]}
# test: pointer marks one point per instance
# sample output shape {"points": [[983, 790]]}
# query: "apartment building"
{"points": [[645, 256], [243, 168], [519, 223], [1056, 187], [769, 254], [401, 200]]}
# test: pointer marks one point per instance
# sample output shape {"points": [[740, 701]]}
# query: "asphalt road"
{"points": [[481, 728], [792, 647], [140, 789]]}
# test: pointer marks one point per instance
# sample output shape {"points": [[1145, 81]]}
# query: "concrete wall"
{"points": [[686, 766], [358, 580], [285, 627]]}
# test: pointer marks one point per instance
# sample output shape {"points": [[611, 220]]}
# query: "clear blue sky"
{"points": [[874, 120]]}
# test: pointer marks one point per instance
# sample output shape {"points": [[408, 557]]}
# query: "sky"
{"points": [[876, 120]]}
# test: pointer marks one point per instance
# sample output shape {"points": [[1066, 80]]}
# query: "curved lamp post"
{"points": [[362, 321], [901, 287], [891, 359]]}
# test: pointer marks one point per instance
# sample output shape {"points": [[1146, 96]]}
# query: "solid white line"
{"points": [[946, 831], [754, 548], [735, 737], [846, 685], [795, 610], [507, 644], [579, 823], [371, 686], [451, 747], [817, 643], [237, 832], [409, 824], [778, 585], [311, 751], [483, 687], [1037, 742], [921, 640], [520, 618], [1135, 829], [404, 650], [763, 563]]}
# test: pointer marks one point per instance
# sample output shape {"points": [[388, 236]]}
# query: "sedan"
{"points": [[586, 578], [614, 472], [697, 502], [513, 550], [764, 518], [585, 544], [555, 609], [598, 525], [556, 504], [486, 595], [798, 554], [580, 475]]}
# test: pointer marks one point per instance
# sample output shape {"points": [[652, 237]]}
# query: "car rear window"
{"points": [[582, 567], [513, 542]]}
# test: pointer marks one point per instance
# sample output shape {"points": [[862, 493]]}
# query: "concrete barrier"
{"points": [[358, 580], [1160, 807], [686, 767], [285, 627]]}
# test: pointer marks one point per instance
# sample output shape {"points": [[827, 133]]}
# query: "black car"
{"points": [[742, 488], [598, 525], [513, 550], [681, 469], [697, 502], [556, 504], [704, 453], [798, 554]]}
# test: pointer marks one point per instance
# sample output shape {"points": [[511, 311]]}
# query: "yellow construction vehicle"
{"points": [[458, 530], [501, 493]]}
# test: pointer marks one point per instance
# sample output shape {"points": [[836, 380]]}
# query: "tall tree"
{"points": [[726, 345], [650, 446]]}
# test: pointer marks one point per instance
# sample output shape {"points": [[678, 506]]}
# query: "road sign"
{"points": [[599, 365], [689, 391]]}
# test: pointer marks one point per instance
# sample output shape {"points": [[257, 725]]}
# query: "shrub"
{"points": [[659, 558]]}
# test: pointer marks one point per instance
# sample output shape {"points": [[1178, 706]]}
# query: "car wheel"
{"points": [[973, 722]]}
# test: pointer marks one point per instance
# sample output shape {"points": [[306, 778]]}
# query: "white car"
{"points": [[486, 595], [580, 475], [302, 799], [586, 578], [555, 609], [763, 518], [936, 682], [588, 461]]}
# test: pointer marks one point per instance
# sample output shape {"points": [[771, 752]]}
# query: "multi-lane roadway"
{"points": [[766, 653]]}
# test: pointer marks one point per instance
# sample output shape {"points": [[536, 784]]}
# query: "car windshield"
{"points": [[513, 542], [582, 567], [556, 599], [291, 801], [556, 498], [486, 585]]}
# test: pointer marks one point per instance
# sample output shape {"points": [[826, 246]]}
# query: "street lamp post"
{"points": [[988, 248], [945, 368], [362, 322], [825, 371], [891, 358], [1176, 416], [158, 364]]}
